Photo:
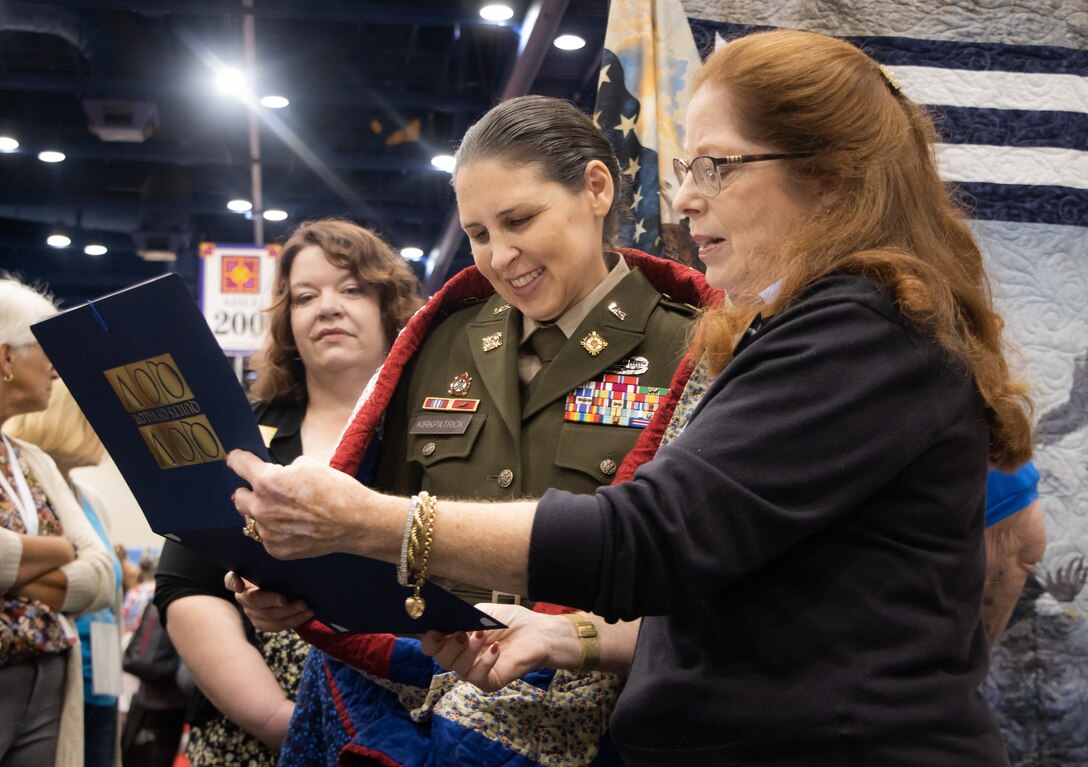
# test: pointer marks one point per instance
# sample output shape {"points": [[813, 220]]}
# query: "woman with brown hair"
{"points": [[551, 317], [807, 551], [340, 297]]}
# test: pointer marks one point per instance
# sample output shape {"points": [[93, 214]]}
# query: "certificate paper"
{"points": [[149, 375]]}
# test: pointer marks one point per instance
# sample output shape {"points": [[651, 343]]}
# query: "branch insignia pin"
{"points": [[493, 341], [593, 343]]}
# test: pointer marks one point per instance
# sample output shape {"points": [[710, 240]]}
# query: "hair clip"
{"points": [[891, 79]]}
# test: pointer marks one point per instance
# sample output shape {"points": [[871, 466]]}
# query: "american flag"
{"points": [[648, 64]]}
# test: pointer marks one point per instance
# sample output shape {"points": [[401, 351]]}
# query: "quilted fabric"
{"points": [[1008, 83]]}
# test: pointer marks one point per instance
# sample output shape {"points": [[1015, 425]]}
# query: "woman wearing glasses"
{"points": [[806, 554]]}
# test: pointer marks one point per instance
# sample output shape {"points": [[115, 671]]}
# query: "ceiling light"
{"points": [[58, 240], [275, 215], [8, 144], [411, 254], [497, 12], [231, 82], [50, 155], [95, 250], [239, 206], [274, 102], [569, 42], [443, 162]]}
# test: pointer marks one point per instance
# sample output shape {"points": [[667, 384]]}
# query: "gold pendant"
{"points": [[493, 341], [593, 343], [415, 606]]}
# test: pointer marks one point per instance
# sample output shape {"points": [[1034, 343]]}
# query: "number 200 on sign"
{"points": [[238, 323]]}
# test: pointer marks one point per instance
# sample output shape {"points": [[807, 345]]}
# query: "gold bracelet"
{"points": [[591, 645], [419, 545]]}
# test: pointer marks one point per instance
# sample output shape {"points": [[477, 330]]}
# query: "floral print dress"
{"points": [[28, 627]]}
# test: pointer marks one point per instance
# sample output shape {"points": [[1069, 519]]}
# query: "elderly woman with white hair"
{"points": [[53, 567]]}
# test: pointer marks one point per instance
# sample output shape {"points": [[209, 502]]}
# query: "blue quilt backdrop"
{"points": [[1008, 85]]}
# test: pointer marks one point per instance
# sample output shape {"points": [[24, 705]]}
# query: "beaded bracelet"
{"points": [[402, 566]]}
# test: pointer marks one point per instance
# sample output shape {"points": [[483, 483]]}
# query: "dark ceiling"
{"points": [[375, 89]]}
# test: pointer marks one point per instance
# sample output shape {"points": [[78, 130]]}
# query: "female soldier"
{"points": [[539, 368], [808, 550]]}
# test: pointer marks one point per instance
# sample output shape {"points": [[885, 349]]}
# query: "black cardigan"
{"points": [[810, 549]]}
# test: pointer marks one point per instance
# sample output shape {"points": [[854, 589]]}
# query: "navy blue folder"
{"points": [[146, 370]]}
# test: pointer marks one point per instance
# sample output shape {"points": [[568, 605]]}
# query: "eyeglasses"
{"points": [[705, 168]]}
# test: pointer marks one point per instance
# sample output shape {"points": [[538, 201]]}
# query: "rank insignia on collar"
{"points": [[594, 344], [616, 310], [493, 341], [501, 309], [460, 384]]}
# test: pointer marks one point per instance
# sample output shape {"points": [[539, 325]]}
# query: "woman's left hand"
{"points": [[493, 659], [301, 510]]}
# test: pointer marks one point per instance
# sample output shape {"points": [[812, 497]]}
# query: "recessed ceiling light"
{"points": [[411, 254], [239, 206], [274, 102], [8, 144], [95, 250], [230, 81], [444, 162], [275, 215], [50, 155], [569, 42], [496, 12], [58, 240]]}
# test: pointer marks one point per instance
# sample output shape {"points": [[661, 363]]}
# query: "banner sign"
{"points": [[235, 289]]}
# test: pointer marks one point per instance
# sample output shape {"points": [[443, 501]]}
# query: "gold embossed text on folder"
{"points": [[168, 417]]}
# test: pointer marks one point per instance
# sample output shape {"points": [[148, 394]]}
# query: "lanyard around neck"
{"points": [[23, 500]]}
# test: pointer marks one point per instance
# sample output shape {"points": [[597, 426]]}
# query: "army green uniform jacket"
{"points": [[507, 449], [455, 422]]}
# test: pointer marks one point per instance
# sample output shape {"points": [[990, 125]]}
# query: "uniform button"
{"points": [[429, 448], [506, 478], [608, 467]]}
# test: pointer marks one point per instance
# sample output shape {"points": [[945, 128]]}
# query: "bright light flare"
{"points": [[231, 82], [444, 162], [51, 155], [239, 206], [411, 254], [496, 12], [274, 102], [275, 215], [8, 144], [569, 42], [95, 250], [58, 240]]}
